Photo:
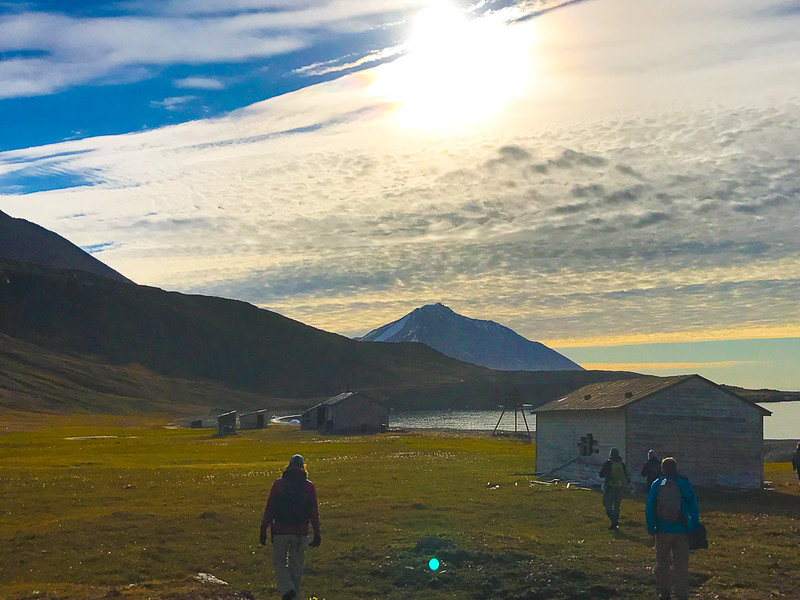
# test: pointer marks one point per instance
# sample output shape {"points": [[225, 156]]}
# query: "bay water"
{"points": [[462, 420], [783, 424]]}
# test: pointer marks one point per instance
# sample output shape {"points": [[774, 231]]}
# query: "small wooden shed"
{"points": [[715, 435], [256, 419], [350, 411], [226, 423]]}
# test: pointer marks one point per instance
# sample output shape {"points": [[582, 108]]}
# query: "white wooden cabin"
{"points": [[715, 436]]}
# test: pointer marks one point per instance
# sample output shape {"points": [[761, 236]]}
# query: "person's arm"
{"points": [[604, 469], [650, 509], [646, 469], [693, 518], [266, 520]]}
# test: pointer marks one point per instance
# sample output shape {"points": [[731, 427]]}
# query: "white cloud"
{"points": [[173, 103], [199, 83], [70, 51]]}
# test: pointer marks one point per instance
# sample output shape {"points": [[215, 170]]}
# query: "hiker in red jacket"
{"points": [[291, 505]]}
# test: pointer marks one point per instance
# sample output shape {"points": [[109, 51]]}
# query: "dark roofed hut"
{"points": [[256, 419], [715, 435], [226, 423], [350, 411]]}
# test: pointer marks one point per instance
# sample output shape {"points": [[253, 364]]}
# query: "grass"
{"points": [[138, 514]]}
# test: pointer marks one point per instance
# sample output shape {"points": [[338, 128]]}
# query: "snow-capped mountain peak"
{"points": [[475, 341]]}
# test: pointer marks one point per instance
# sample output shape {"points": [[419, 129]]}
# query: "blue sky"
{"points": [[615, 178]]}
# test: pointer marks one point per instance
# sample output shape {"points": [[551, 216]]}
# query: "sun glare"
{"points": [[457, 70]]}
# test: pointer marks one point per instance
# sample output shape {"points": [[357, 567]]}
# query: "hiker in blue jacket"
{"points": [[671, 512]]}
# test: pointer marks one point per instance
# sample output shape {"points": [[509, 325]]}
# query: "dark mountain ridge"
{"points": [[475, 341], [241, 347], [24, 241]]}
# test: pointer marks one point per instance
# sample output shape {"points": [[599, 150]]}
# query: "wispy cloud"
{"points": [[199, 83], [66, 50], [173, 103], [339, 65]]}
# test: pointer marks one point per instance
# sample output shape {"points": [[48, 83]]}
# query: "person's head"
{"points": [[652, 454], [614, 454], [669, 467], [296, 461]]}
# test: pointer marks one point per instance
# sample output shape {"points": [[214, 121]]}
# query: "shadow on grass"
{"points": [[757, 502], [484, 574]]}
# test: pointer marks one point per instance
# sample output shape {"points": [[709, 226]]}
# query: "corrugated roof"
{"points": [[612, 394]]}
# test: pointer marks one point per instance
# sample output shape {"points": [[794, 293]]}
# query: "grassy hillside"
{"points": [[137, 513], [232, 344], [36, 380]]}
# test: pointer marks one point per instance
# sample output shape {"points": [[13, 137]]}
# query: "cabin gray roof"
{"points": [[254, 412], [339, 398], [619, 394]]}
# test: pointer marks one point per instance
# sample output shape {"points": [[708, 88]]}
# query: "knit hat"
{"points": [[614, 453], [296, 461], [669, 467]]}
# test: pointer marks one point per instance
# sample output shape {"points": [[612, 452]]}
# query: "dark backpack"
{"points": [[292, 505], [668, 505]]}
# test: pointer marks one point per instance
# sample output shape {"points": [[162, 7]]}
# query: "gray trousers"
{"points": [[288, 556], [612, 502], [672, 550]]}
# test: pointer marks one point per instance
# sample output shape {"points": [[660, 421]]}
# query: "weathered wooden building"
{"points": [[226, 423], [715, 435], [256, 419], [350, 411]]}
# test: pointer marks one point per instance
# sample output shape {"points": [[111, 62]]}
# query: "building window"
{"points": [[588, 445]]}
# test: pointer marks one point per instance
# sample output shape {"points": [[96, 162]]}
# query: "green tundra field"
{"points": [[129, 508]]}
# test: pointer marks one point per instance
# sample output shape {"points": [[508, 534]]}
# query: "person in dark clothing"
{"points": [[651, 469], [291, 505], [796, 460], [670, 513], [616, 481]]}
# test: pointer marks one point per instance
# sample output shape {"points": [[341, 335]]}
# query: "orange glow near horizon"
{"points": [[711, 335], [659, 366]]}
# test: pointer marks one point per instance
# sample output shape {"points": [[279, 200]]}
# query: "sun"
{"points": [[457, 69]]}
